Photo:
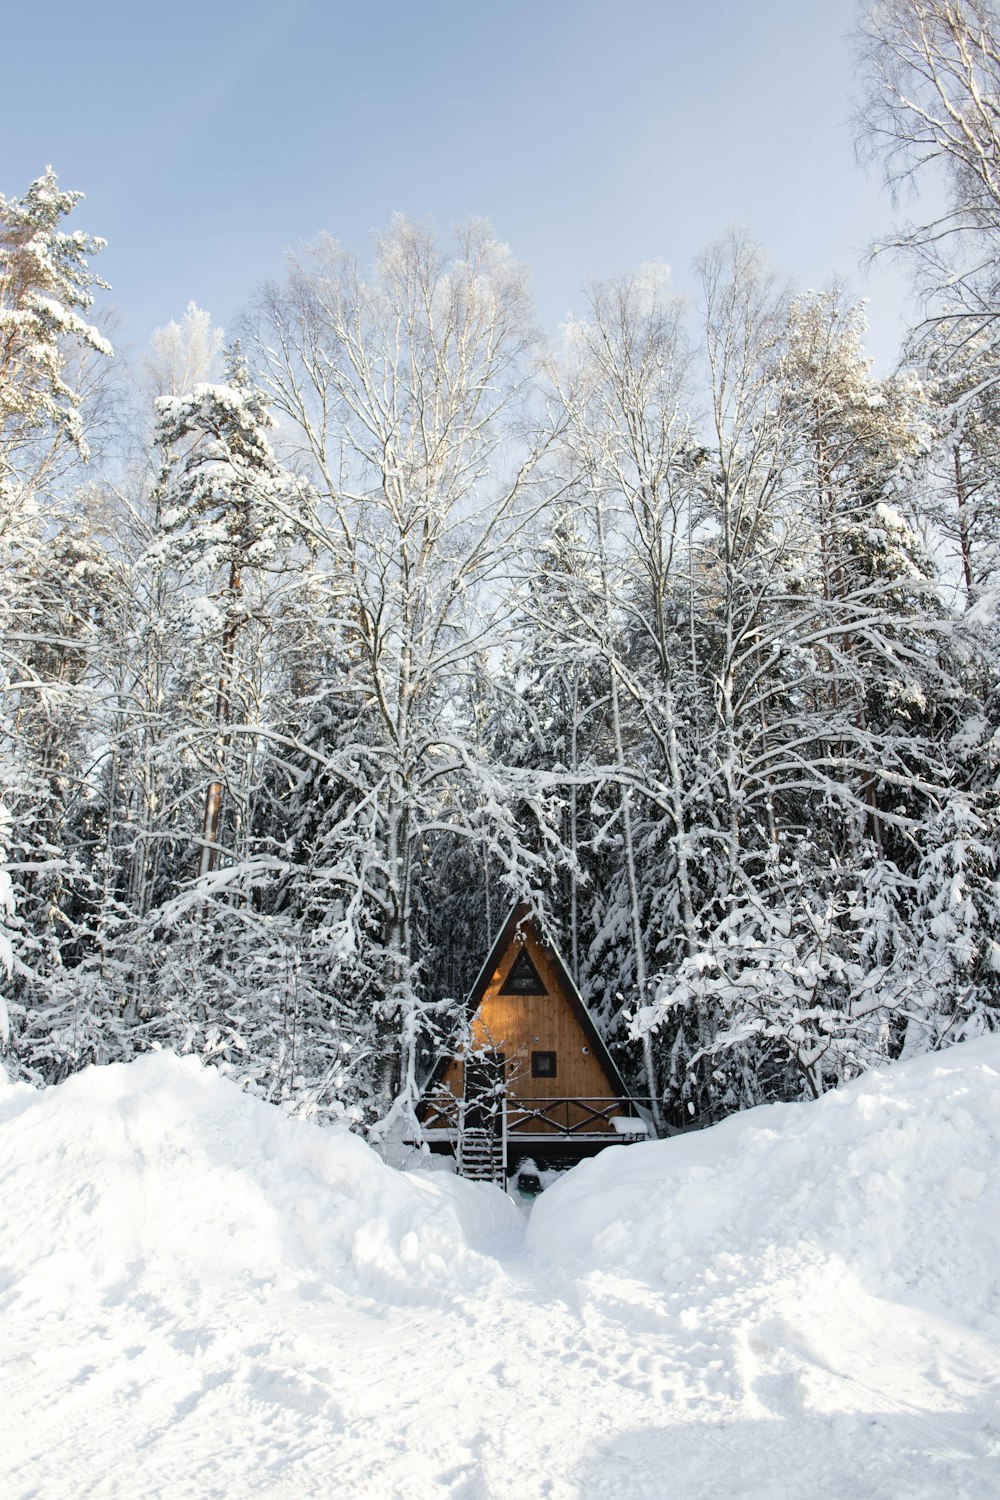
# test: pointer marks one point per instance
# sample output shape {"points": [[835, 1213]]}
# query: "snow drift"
{"points": [[892, 1180], [162, 1171], [202, 1297]]}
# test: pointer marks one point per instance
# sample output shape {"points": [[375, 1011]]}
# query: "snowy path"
{"points": [[518, 1391], [138, 1363]]}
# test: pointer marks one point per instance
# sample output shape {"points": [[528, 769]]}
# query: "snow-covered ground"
{"points": [[203, 1298]]}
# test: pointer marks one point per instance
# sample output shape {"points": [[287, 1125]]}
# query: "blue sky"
{"points": [[210, 137]]}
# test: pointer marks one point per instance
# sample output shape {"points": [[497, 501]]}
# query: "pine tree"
{"points": [[50, 596], [228, 511], [45, 285]]}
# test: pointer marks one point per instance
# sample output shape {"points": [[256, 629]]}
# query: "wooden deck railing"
{"points": [[539, 1116], [526, 1116]]}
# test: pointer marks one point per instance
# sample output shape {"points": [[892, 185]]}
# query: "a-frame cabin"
{"points": [[530, 1077]]}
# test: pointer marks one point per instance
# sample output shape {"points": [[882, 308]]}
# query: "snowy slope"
{"points": [[892, 1181], [159, 1173], [201, 1297]]}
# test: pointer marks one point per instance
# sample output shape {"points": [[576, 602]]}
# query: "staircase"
{"points": [[480, 1156]]}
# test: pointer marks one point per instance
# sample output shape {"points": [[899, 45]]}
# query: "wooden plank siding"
{"points": [[518, 1025]]}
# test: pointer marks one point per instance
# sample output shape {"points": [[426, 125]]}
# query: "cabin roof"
{"points": [[521, 915]]}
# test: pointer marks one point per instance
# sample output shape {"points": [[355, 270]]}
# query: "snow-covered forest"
{"points": [[327, 638]]}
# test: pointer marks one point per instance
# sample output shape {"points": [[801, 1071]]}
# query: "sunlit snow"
{"points": [[202, 1297]]}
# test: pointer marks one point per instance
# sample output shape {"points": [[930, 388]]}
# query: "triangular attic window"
{"points": [[523, 978]]}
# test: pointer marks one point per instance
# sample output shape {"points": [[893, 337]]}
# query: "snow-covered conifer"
{"points": [[46, 285], [229, 510]]}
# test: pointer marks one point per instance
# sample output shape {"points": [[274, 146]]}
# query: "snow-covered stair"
{"points": [[480, 1156]]}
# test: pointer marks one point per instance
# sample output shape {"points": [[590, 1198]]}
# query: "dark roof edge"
{"points": [[583, 1015]]}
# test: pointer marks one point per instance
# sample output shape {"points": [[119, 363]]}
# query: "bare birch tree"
{"points": [[931, 108], [405, 394]]}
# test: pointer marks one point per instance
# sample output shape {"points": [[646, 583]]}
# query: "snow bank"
{"points": [[888, 1186], [161, 1174], [201, 1297]]}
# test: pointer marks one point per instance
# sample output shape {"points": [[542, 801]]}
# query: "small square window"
{"points": [[543, 1065]]}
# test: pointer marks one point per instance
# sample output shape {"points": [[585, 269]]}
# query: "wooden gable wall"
{"points": [[518, 1025]]}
